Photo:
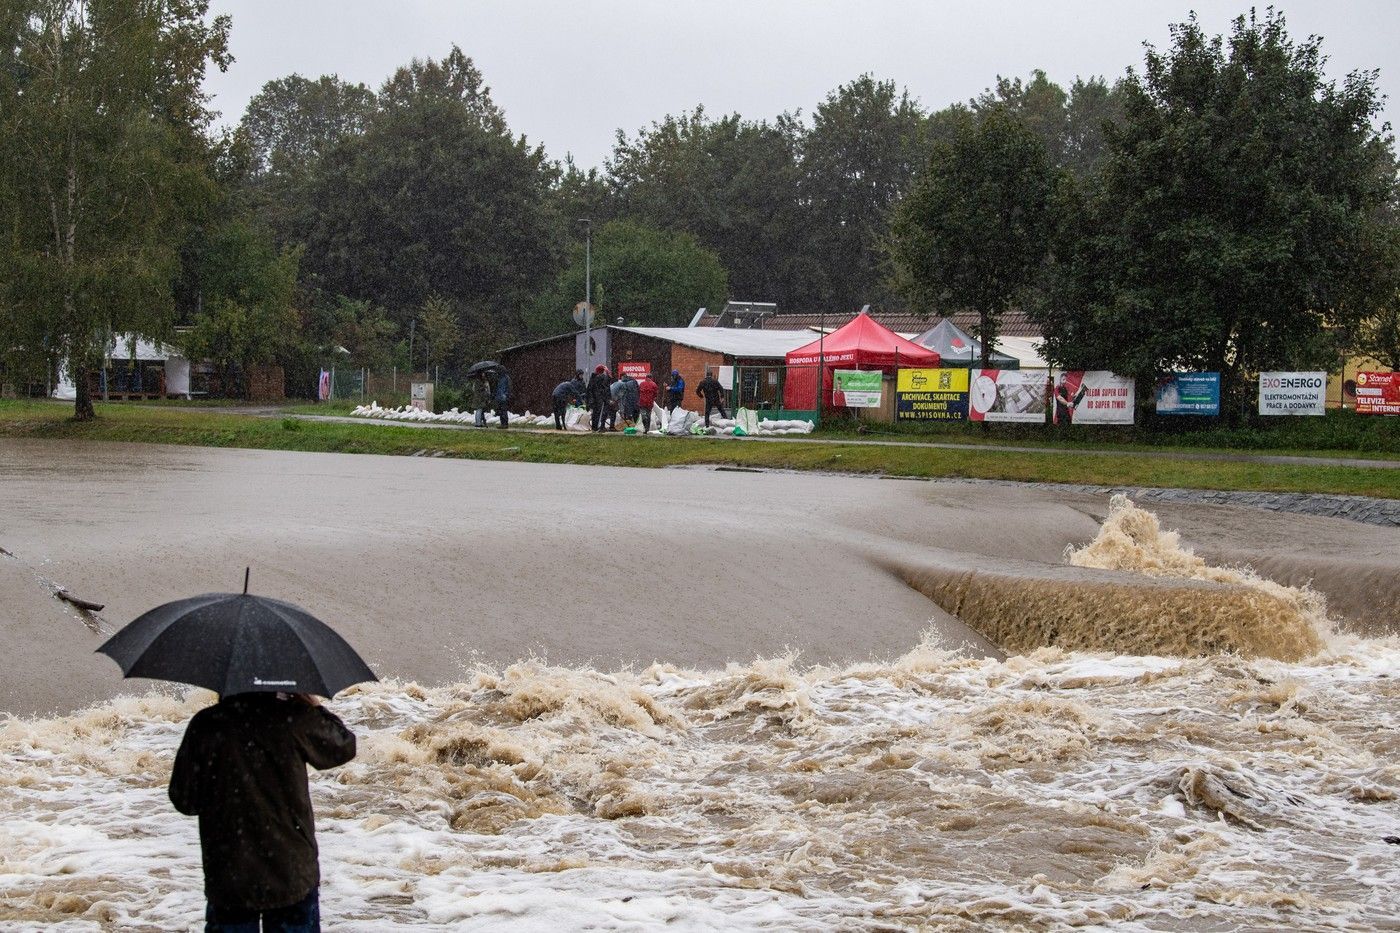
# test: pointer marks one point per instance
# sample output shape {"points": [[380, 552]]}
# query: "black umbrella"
{"points": [[232, 643], [484, 366]]}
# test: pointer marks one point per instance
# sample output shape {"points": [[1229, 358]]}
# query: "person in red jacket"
{"points": [[647, 390]]}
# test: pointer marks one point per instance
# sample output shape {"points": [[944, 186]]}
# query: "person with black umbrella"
{"points": [[241, 767]]}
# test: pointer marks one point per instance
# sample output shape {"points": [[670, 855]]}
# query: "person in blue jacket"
{"points": [[675, 390], [501, 396]]}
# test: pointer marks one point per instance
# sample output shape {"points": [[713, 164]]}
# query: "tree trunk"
{"points": [[78, 365]]}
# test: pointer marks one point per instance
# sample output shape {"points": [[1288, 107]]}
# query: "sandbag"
{"points": [[747, 419], [681, 421]]}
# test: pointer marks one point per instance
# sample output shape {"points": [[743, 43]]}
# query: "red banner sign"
{"points": [[1378, 393]]}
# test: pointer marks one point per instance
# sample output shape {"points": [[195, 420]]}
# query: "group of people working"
{"points": [[628, 399]]}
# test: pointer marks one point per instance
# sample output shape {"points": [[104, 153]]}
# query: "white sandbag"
{"points": [[680, 422], [747, 419]]}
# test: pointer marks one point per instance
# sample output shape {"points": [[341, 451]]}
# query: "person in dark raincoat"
{"points": [[713, 393], [241, 769], [599, 396], [481, 399], [565, 394], [630, 401], [501, 396]]}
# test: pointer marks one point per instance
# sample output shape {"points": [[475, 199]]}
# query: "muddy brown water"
{"points": [[820, 745]]}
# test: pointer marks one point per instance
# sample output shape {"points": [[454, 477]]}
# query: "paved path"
{"points": [[1270, 459]]}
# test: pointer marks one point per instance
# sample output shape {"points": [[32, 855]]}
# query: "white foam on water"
{"points": [[1046, 790]]}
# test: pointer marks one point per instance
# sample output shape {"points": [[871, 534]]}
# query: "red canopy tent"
{"points": [[863, 343]]}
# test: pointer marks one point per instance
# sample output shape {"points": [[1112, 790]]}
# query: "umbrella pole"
{"points": [[246, 572]]}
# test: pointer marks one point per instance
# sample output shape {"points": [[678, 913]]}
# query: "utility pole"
{"points": [[587, 291]]}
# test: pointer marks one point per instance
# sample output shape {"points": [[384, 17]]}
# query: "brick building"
{"points": [[749, 360]]}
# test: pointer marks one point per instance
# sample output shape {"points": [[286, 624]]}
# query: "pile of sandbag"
{"points": [[680, 423], [455, 416]]}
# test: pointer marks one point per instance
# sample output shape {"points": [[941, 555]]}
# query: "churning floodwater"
{"points": [[1199, 789]]}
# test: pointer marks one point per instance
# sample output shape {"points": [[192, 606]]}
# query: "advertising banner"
{"points": [[1378, 393], [1093, 396], [931, 395], [1008, 395], [1292, 393], [638, 370], [1188, 394], [858, 389]]}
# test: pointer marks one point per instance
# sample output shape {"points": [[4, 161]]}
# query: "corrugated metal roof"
{"points": [[731, 341], [1013, 323]]}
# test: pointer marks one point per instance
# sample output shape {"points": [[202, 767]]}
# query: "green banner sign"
{"points": [[860, 389]]}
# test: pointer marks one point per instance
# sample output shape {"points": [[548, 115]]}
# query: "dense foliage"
{"points": [[1227, 207], [1234, 222]]}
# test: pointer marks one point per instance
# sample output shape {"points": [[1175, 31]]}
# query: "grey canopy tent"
{"points": [[958, 349]]}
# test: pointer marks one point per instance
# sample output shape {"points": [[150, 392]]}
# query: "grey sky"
{"points": [[569, 74]]}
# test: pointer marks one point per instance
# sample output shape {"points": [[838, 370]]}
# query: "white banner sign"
{"points": [[1093, 397], [1292, 393], [1008, 395]]}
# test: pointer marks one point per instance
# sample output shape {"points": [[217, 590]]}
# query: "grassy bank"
{"points": [[215, 429]]}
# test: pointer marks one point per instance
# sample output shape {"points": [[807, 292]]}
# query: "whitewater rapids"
{"points": [[1135, 735], [1042, 791]]}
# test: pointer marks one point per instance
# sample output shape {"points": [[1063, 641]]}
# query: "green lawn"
{"points": [[162, 424]]}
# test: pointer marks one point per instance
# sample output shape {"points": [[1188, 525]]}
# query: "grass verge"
{"points": [[215, 429]]}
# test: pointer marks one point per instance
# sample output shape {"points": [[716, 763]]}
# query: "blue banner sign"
{"points": [[1189, 394]]}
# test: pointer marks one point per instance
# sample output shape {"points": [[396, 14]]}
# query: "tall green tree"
{"points": [[868, 141], [1069, 123], [1228, 228], [294, 121], [440, 329], [435, 197], [103, 160], [974, 232], [245, 313], [645, 276], [731, 183]]}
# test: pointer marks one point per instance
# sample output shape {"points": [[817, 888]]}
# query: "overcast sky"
{"points": [[569, 74]]}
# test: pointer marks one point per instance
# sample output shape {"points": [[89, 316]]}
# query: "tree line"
{"points": [[1222, 206]]}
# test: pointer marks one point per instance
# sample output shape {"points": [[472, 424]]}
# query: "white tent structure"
{"points": [[130, 347]]}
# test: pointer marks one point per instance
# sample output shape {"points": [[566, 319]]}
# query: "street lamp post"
{"points": [[587, 291]]}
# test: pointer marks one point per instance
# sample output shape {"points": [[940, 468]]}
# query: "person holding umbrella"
{"points": [[241, 767]]}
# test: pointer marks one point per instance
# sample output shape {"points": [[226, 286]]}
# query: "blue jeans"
{"points": [[302, 917]]}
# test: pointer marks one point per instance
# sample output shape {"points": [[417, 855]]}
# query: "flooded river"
{"points": [[625, 699]]}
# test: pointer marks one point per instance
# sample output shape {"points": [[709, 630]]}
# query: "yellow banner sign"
{"points": [[932, 380]]}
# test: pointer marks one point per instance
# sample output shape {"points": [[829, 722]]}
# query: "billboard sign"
{"points": [[1378, 393], [1008, 395], [931, 395], [858, 389], [1292, 393], [1093, 396], [1188, 394]]}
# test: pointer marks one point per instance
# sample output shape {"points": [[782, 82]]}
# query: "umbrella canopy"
{"points": [[955, 347], [483, 367], [233, 643]]}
